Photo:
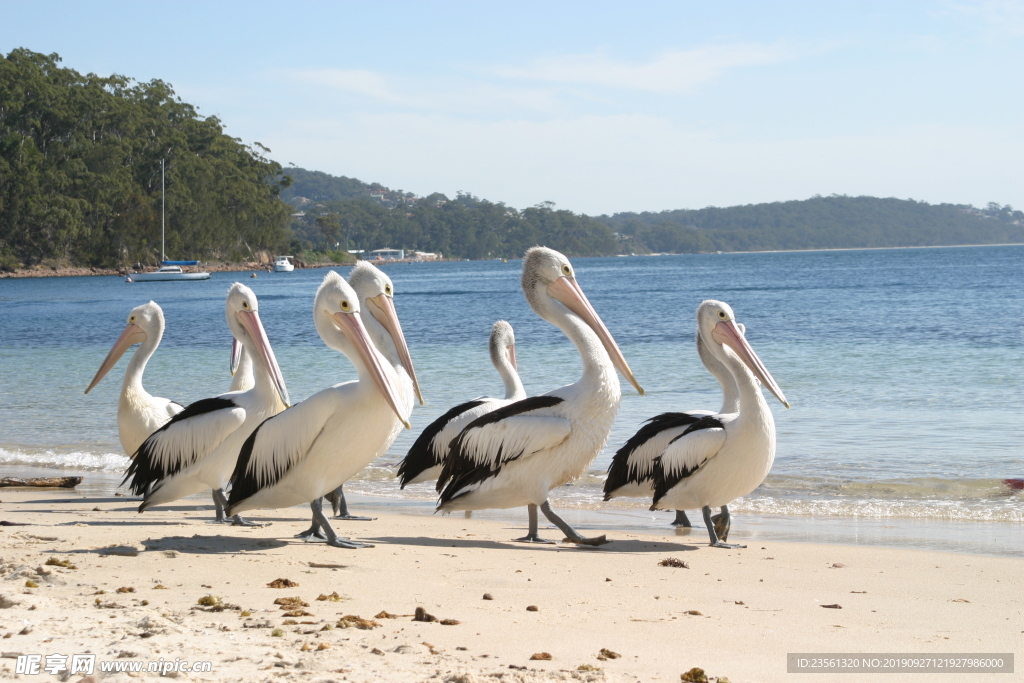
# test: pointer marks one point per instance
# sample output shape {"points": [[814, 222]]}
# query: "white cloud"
{"points": [[359, 81], [672, 71]]}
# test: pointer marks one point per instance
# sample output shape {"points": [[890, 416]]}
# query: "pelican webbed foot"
{"points": [[312, 535], [534, 538], [238, 520], [321, 522], [571, 535], [345, 542], [714, 523], [681, 519]]}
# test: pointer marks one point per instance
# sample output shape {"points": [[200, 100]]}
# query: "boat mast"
{"points": [[163, 204]]}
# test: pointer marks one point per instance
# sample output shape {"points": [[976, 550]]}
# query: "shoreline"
{"points": [[734, 613], [255, 267]]}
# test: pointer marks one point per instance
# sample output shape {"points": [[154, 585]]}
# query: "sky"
{"points": [[599, 107]]}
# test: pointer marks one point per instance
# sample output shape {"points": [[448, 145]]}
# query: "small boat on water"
{"points": [[169, 270], [283, 265]]}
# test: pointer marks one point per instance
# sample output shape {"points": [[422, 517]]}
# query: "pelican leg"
{"points": [[722, 522], [710, 524], [332, 537], [681, 519], [340, 506], [313, 534], [571, 534], [533, 536], [219, 503]]}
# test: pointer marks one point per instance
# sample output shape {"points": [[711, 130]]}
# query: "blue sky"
{"points": [[598, 107]]}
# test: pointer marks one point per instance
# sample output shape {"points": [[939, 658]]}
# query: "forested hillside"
{"points": [[80, 172], [817, 223], [80, 184]]}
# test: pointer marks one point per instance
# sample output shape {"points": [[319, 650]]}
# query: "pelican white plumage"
{"points": [[139, 413], [241, 368], [631, 473], [515, 455], [424, 460], [318, 444], [721, 457], [376, 293], [197, 448]]}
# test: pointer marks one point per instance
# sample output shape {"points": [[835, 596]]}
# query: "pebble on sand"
{"points": [[282, 583], [541, 656]]}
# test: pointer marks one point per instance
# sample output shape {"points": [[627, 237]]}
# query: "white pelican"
{"points": [[376, 295], [241, 368], [631, 473], [516, 454], [318, 444], [425, 457], [197, 449], [139, 414], [721, 457]]}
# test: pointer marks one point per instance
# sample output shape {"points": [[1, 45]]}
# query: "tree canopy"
{"points": [[80, 171]]}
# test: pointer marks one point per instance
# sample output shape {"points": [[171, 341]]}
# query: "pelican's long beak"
{"points": [[236, 356], [382, 308], [352, 327], [250, 321], [511, 353], [727, 332], [132, 334], [568, 292]]}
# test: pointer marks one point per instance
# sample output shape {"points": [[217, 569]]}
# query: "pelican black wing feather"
{"points": [[144, 471], [663, 482], [460, 470], [621, 471], [421, 456], [244, 482]]}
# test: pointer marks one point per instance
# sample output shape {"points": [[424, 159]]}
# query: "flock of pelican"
{"points": [[254, 450]]}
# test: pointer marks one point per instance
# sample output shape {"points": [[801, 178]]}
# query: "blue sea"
{"points": [[904, 369]]}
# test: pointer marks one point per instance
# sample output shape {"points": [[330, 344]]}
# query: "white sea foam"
{"points": [[71, 460]]}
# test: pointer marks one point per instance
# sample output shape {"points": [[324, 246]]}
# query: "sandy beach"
{"points": [[135, 592]]}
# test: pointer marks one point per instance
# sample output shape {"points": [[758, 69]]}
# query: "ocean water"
{"points": [[904, 369]]}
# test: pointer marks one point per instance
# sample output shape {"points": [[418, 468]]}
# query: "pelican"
{"points": [[197, 449], [310, 449], [423, 461], [631, 473], [139, 414], [241, 368], [515, 455], [376, 295], [721, 457]]}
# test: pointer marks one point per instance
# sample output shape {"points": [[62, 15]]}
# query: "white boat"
{"points": [[169, 270], [283, 265], [168, 273]]}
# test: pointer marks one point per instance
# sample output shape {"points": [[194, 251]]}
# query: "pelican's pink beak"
{"points": [[382, 308], [132, 334], [568, 292], [236, 356], [352, 327], [510, 352], [250, 321], [728, 333]]}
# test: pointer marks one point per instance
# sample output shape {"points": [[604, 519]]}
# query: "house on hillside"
{"points": [[387, 254]]}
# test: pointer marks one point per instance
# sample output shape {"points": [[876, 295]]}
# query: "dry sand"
{"points": [[733, 613]]}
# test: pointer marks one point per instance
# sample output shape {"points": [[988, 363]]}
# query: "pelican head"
{"points": [[549, 283], [336, 314], [503, 344], [242, 312], [145, 323], [376, 295], [716, 323]]}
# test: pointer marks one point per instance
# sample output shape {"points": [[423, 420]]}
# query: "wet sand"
{"points": [[734, 613]]}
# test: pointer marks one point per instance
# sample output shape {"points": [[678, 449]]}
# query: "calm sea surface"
{"points": [[904, 368]]}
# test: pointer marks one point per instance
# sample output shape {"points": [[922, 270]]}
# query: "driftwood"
{"points": [[48, 482]]}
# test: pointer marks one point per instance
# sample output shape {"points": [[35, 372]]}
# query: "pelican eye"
{"points": [[345, 306], [387, 289], [131, 319], [566, 270], [722, 315], [245, 305]]}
